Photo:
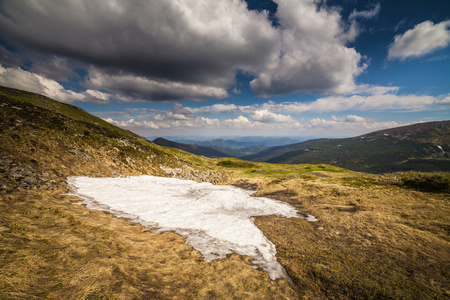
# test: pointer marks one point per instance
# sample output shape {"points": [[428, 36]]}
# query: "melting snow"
{"points": [[216, 220]]}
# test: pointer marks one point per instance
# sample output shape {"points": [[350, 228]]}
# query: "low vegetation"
{"points": [[420, 147], [378, 236]]}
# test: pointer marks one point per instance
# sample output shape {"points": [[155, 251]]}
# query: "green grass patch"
{"points": [[235, 164]]}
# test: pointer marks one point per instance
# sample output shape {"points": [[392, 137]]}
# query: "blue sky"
{"points": [[233, 68]]}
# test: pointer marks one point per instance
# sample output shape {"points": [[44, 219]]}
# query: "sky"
{"points": [[303, 68]]}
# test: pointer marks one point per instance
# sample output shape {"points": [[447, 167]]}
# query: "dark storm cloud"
{"points": [[188, 49], [191, 42]]}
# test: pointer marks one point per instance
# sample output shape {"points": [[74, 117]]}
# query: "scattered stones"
{"points": [[22, 177], [189, 173], [83, 155]]}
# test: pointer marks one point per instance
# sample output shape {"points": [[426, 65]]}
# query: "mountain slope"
{"points": [[45, 141], [418, 147]]}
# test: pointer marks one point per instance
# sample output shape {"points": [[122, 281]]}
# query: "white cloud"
{"points": [[21, 79], [444, 100], [314, 57], [239, 122], [376, 102], [217, 108], [264, 115], [424, 38], [171, 116], [349, 123], [96, 96], [366, 14], [132, 123]]}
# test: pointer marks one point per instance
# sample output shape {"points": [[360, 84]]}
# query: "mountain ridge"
{"points": [[417, 147]]}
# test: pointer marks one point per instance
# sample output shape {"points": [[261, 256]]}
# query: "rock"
{"points": [[4, 186], [31, 180], [44, 176], [84, 156]]}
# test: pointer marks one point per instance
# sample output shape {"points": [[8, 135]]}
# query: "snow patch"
{"points": [[216, 220]]}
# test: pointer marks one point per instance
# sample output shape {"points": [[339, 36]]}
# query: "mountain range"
{"points": [[211, 151], [417, 147]]}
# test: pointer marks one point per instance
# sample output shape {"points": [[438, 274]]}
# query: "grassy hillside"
{"points": [[378, 236], [41, 135], [419, 147]]}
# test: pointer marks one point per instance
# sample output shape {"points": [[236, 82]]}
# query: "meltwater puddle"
{"points": [[216, 219]]}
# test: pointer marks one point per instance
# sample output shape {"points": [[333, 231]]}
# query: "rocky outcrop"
{"points": [[17, 176]]}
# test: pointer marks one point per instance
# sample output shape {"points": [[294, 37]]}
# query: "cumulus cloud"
{"points": [[21, 79], [377, 102], [191, 49], [174, 45], [381, 99], [217, 109], [132, 123], [424, 38], [350, 123], [264, 115], [314, 57]]}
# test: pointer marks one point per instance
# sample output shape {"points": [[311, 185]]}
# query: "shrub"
{"points": [[427, 182], [235, 164]]}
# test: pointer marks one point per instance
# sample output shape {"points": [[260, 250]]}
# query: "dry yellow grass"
{"points": [[376, 242], [50, 248]]}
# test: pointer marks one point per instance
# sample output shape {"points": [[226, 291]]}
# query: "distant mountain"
{"points": [[418, 147], [209, 151], [237, 142], [278, 150], [229, 144]]}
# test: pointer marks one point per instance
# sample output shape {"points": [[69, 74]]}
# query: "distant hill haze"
{"points": [[211, 151], [417, 147]]}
